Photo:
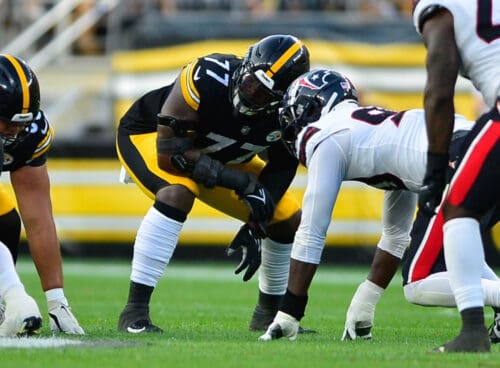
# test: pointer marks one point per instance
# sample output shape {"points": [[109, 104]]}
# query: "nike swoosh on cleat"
{"points": [[136, 330]]}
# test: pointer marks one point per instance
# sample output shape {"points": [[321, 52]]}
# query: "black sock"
{"points": [[472, 318], [139, 293], [293, 305], [269, 300]]}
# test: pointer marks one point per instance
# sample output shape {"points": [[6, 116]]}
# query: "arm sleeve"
{"points": [[397, 220], [326, 171]]}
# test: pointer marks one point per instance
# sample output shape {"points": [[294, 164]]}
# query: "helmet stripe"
{"points": [[23, 81], [284, 58]]}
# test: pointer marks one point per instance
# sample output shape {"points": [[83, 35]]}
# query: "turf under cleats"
{"points": [[471, 342], [22, 317], [63, 320], [284, 325], [135, 319]]}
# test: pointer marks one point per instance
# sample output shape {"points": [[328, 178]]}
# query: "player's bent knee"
{"points": [[284, 231], [177, 196]]}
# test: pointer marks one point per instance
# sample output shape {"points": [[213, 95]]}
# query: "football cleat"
{"points": [[494, 330], [22, 317], [61, 319], [2, 311], [470, 342], [284, 325], [263, 316], [142, 326], [135, 319]]}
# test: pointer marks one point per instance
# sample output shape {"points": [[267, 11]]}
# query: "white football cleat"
{"points": [[2, 311], [22, 316], [63, 320], [284, 325]]}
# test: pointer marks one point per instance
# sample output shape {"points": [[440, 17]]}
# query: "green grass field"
{"points": [[204, 310]]}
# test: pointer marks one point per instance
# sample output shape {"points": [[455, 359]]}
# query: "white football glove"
{"points": [[361, 312], [62, 319], [284, 325]]}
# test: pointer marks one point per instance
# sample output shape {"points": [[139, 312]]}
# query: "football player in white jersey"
{"points": [[462, 36], [338, 140]]}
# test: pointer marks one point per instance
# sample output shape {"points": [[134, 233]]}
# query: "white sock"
{"points": [[154, 245], [8, 275], [464, 255], [274, 268]]}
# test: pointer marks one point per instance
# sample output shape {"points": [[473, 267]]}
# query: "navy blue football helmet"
{"points": [[311, 96]]}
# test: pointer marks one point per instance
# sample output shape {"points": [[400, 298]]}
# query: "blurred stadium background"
{"points": [[95, 57]]}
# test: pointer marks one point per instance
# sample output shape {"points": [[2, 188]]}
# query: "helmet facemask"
{"points": [[252, 91], [293, 117], [20, 136]]}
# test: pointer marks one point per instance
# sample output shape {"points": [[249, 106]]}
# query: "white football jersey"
{"points": [[383, 148], [477, 34]]}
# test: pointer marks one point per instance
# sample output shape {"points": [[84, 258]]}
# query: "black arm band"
{"points": [[426, 14], [180, 127], [173, 145]]}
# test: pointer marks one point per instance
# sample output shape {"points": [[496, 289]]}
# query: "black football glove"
{"points": [[431, 193], [259, 201], [250, 251], [207, 171]]}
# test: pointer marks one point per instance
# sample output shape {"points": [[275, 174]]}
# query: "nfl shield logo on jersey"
{"points": [[274, 136]]}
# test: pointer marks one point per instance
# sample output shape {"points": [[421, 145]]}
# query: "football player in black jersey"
{"points": [[27, 136], [23, 314], [199, 138]]}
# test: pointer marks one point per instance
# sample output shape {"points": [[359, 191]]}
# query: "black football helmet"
{"points": [[19, 91], [311, 96], [270, 65]]}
